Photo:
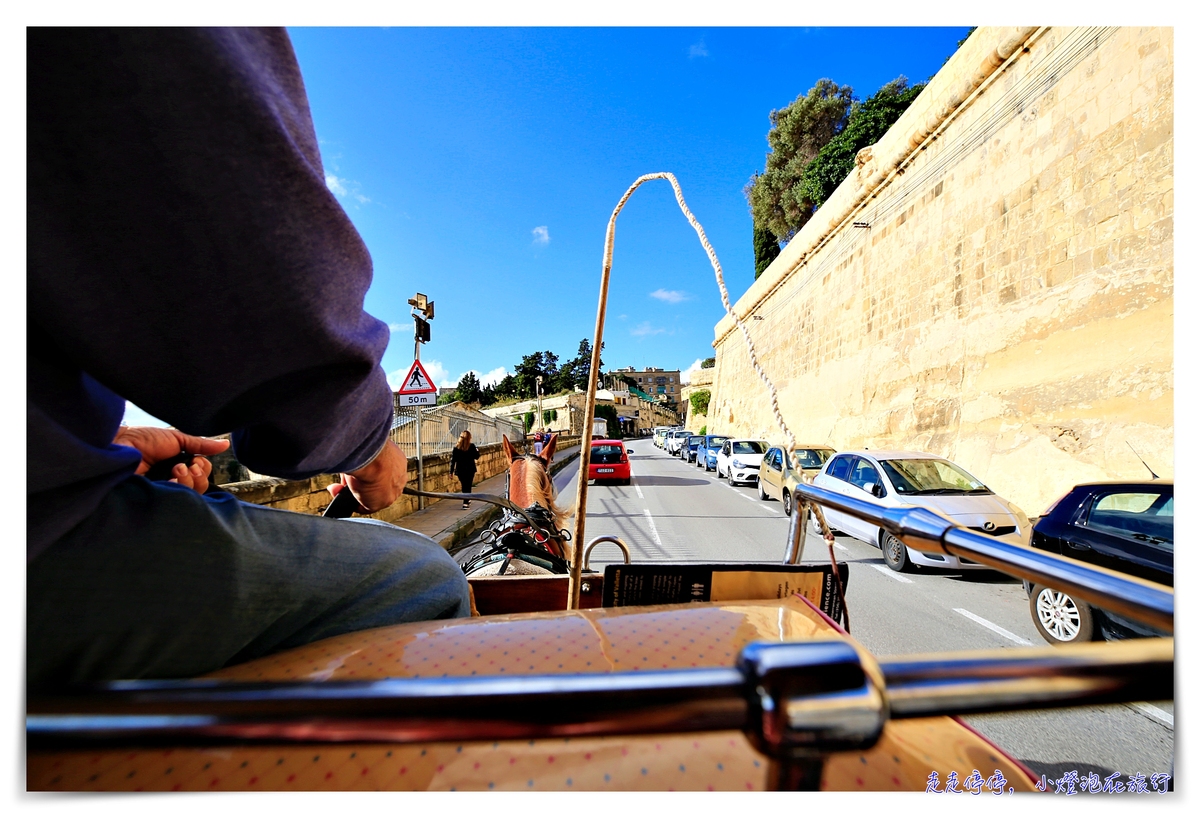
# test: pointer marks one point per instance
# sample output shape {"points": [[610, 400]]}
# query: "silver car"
{"points": [[917, 479]]}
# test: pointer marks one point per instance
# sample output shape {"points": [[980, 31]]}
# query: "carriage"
{"points": [[652, 677]]}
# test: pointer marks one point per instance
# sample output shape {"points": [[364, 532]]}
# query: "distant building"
{"points": [[654, 381]]}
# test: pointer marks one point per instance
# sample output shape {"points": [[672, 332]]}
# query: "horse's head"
{"points": [[529, 482]]}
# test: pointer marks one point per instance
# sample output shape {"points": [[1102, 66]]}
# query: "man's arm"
{"points": [[176, 191]]}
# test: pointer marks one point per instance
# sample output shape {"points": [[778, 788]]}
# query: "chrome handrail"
{"points": [[793, 700], [929, 532]]}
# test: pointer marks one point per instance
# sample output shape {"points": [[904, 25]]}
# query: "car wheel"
{"points": [[762, 495], [895, 553], [1059, 618], [787, 503]]}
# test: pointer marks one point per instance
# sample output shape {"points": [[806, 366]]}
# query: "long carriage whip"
{"points": [[598, 337]]}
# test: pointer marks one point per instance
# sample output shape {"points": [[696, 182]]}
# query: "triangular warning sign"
{"points": [[416, 382]]}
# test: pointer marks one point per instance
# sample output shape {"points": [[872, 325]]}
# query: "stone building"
{"points": [[994, 283], [701, 379], [655, 381]]}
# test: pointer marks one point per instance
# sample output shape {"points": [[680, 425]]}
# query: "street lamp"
{"points": [[541, 423]]}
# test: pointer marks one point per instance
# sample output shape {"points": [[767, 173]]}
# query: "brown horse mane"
{"points": [[530, 484]]}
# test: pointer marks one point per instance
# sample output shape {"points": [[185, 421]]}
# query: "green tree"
{"points": [[609, 413], [868, 122], [528, 417], [468, 389], [546, 418], [699, 400], [798, 132], [708, 363], [766, 249], [525, 377], [575, 372]]}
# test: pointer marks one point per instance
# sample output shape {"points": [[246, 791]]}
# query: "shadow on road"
{"points": [[656, 480]]}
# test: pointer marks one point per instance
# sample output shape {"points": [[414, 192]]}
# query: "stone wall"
{"points": [[311, 497], [700, 379], [1008, 302]]}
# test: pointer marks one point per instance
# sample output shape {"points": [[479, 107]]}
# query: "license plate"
{"points": [[604, 471]]}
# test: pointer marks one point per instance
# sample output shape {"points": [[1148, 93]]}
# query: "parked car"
{"points": [[739, 458], [660, 435], [917, 479], [782, 470], [687, 452], [1126, 526], [675, 440], [610, 461], [706, 453]]}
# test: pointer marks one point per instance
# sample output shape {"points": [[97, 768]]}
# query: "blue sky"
{"points": [[481, 165]]}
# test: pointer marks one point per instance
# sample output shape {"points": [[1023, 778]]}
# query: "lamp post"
{"points": [[541, 422]]}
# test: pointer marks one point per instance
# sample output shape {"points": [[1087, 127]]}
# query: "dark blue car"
{"points": [[687, 452], [1128, 527]]}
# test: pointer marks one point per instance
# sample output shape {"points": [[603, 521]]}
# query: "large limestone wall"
{"points": [[1010, 305]]}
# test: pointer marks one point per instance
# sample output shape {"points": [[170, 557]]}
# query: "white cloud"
{"points": [[335, 185], [670, 296], [698, 50], [686, 375], [643, 329], [345, 187], [492, 377], [541, 235], [400, 327]]}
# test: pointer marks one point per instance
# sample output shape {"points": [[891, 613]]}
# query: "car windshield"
{"points": [[811, 458], [930, 476], [748, 447], [716, 441]]}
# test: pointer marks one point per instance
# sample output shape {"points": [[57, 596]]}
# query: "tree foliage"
{"points": [[468, 389], [522, 383], [798, 132], [609, 413], [708, 363], [867, 124], [699, 400], [766, 249]]}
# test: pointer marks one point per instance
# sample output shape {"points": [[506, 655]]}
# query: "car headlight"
{"points": [[737, 464], [1022, 518]]}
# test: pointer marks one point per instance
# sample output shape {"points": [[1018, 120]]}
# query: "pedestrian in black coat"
{"points": [[462, 463]]}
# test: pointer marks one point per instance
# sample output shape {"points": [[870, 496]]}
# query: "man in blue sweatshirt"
{"points": [[185, 254]]}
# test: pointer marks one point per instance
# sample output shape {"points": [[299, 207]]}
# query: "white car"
{"points": [[739, 458], [675, 439], [917, 479]]}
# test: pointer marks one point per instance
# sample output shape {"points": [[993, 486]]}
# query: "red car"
{"points": [[610, 461]]}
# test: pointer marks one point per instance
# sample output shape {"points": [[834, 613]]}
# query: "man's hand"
{"points": [[157, 444], [378, 484]]}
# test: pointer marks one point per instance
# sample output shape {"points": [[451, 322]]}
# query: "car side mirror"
{"points": [[874, 489], [629, 451]]}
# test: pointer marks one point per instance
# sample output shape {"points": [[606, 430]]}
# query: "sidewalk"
{"points": [[445, 521]]}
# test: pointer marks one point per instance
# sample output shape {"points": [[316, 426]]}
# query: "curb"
{"points": [[464, 527]]}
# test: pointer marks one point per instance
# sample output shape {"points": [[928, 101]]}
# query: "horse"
{"points": [[511, 545]]}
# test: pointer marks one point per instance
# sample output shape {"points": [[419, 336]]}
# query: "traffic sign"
{"points": [[417, 382], [423, 399]]}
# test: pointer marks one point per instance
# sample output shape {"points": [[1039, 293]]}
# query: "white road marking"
{"points": [[841, 547], [992, 626], [1156, 713], [639, 491], [653, 530], [888, 572]]}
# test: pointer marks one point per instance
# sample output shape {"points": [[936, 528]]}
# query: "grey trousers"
{"points": [[161, 582]]}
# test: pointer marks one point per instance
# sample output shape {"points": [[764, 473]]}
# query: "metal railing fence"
{"points": [[441, 426]]}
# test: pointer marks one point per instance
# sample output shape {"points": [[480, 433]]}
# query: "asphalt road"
{"points": [[676, 511]]}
